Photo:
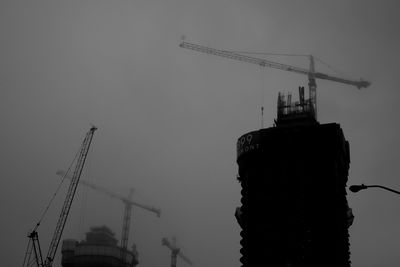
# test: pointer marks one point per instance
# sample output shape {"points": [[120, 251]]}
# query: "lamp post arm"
{"points": [[386, 188]]}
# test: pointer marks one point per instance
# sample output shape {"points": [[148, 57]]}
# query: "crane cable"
{"points": [[57, 190], [332, 68], [294, 55]]}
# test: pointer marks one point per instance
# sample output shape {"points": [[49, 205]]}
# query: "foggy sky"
{"points": [[169, 118]]}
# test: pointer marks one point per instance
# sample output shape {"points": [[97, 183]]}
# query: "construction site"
{"points": [[100, 247], [293, 176], [213, 133]]}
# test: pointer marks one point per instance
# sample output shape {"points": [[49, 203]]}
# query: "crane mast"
{"points": [[65, 208], [175, 252], [126, 221], [311, 73]]}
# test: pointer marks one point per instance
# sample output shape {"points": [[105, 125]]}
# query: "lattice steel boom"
{"points": [[70, 196]]}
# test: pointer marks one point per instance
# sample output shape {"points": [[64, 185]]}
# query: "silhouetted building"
{"points": [[98, 250], [294, 206]]}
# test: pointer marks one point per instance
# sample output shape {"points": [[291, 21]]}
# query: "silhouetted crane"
{"points": [[311, 73], [128, 203], [33, 235], [175, 251]]}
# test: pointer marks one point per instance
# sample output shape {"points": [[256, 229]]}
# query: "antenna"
{"points": [[262, 117]]}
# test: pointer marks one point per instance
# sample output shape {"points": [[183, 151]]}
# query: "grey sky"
{"points": [[169, 118]]}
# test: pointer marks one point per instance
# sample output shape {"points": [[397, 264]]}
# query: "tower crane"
{"points": [[128, 202], [311, 73], [175, 251], [33, 236]]}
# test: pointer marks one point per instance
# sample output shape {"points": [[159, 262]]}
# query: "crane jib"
{"points": [[271, 64]]}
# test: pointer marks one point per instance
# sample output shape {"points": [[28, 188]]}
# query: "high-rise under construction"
{"points": [[294, 209]]}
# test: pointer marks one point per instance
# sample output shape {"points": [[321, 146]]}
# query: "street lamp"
{"points": [[356, 188]]}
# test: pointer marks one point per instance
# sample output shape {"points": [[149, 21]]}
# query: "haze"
{"points": [[169, 118]]}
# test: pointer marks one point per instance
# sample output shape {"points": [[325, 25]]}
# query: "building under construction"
{"points": [[98, 250], [294, 209]]}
